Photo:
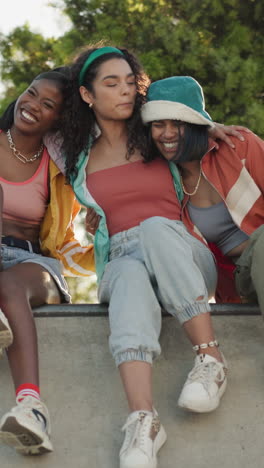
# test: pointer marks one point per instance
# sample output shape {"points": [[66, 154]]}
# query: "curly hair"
{"points": [[79, 127], [61, 77]]}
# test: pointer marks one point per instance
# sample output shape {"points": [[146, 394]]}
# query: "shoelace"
{"points": [[206, 372], [137, 429]]}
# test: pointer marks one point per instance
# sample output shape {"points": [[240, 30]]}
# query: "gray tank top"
{"points": [[217, 226]]}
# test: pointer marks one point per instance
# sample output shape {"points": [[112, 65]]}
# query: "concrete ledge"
{"points": [[101, 310], [81, 386]]}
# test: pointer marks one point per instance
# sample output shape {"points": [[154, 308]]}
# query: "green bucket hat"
{"points": [[176, 98]]}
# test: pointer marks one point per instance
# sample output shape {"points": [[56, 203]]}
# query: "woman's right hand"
{"points": [[92, 220]]}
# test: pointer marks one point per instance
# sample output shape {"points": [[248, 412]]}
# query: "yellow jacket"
{"points": [[57, 233]]}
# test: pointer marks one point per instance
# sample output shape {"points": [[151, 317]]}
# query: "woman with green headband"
{"points": [[137, 271]]}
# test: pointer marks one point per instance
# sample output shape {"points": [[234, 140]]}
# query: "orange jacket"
{"points": [[238, 176]]}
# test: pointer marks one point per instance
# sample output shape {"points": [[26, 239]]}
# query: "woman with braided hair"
{"points": [[38, 209]]}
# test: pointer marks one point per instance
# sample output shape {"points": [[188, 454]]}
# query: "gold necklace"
{"points": [[19, 155], [196, 186]]}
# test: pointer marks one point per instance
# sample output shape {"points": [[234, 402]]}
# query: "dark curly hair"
{"points": [[79, 126], [61, 77]]}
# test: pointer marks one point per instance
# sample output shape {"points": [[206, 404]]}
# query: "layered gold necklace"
{"points": [[196, 186], [21, 156]]}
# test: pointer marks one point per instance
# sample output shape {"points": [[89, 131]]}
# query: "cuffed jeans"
{"points": [[249, 273], [153, 265]]}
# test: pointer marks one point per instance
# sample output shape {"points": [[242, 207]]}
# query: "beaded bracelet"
{"points": [[206, 345]]}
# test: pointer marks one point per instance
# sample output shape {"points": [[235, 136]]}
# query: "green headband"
{"points": [[93, 56]]}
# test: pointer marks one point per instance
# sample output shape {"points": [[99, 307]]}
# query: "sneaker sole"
{"points": [[25, 440], [6, 335], [162, 438], [203, 407]]}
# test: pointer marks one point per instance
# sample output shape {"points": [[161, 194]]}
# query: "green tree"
{"points": [[219, 42], [83, 290], [24, 55]]}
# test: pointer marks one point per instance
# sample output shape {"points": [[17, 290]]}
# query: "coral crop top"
{"points": [[27, 201], [133, 192]]}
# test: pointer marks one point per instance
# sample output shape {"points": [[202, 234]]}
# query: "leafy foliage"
{"points": [[219, 42], [24, 55], [83, 290]]}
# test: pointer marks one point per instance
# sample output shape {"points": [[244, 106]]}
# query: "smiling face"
{"points": [[166, 135], [114, 91], [38, 108]]}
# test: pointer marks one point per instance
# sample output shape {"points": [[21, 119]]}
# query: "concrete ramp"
{"points": [[81, 387]]}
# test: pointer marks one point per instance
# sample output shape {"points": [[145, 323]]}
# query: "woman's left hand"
{"points": [[92, 220], [221, 132]]}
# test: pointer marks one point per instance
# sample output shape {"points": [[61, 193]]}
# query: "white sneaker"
{"points": [[6, 335], [205, 385], [144, 437], [27, 427]]}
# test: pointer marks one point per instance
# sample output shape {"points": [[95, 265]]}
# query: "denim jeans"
{"points": [[249, 272], [11, 256], [153, 265]]}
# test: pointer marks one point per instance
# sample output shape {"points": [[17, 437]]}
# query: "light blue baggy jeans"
{"points": [[153, 265]]}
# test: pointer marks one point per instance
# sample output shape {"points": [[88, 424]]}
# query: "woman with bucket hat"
{"points": [[223, 203]]}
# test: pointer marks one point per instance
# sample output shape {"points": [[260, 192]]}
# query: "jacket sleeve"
{"points": [[77, 260], [57, 231], [254, 156]]}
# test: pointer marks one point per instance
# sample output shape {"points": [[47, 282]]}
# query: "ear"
{"points": [[86, 95]]}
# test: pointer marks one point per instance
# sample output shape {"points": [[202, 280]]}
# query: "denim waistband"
{"points": [[133, 232], [124, 236]]}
